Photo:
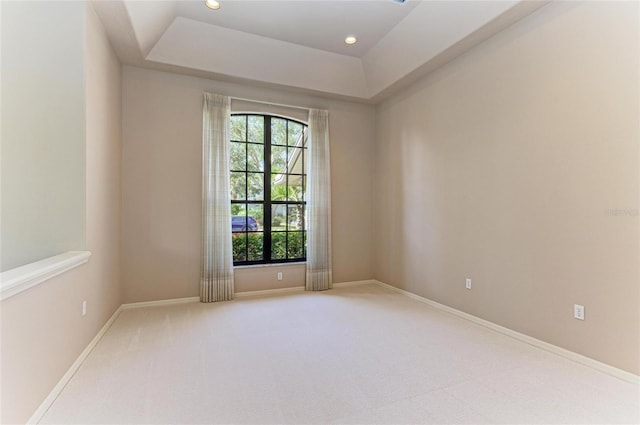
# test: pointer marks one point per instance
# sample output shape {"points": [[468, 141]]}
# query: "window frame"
{"points": [[267, 202]]}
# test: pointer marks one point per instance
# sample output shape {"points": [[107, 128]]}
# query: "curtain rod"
{"points": [[269, 103]]}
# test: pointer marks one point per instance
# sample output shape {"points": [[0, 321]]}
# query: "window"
{"points": [[268, 180]]}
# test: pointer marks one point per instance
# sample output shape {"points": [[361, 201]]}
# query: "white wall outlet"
{"points": [[279, 275], [468, 283], [84, 308], [578, 311]]}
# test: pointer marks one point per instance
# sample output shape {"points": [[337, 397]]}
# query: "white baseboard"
{"points": [[244, 294], [55, 392], [570, 355], [158, 303], [276, 291], [297, 289], [354, 283]]}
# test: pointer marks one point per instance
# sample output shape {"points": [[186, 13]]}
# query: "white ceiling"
{"points": [[318, 24], [300, 43]]}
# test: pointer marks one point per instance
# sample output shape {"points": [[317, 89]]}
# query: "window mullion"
{"points": [[266, 237], [288, 219], [246, 188]]}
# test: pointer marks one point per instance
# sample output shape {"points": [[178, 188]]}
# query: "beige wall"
{"points": [[162, 137], [43, 331], [503, 167]]}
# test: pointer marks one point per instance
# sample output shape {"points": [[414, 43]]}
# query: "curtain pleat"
{"points": [[318, 277], [216, 277]]}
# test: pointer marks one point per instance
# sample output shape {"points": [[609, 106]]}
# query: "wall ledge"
{"points": [[21, 278]]}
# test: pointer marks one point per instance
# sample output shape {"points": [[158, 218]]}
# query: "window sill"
{"points": [[253, 266], [21, 278]]}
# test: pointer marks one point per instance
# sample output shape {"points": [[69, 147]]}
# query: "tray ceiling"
{"points": [[300, 43]]}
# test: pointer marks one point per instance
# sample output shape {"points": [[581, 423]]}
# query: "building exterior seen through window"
{"points": [[268, 179]]}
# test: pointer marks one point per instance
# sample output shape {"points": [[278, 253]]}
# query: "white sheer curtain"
{"points": [[216, 276], [318, 203]]}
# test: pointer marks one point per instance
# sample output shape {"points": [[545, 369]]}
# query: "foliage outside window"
{"points": [[268, 180]]}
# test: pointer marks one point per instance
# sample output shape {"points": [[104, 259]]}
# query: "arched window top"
{"points": [[273, 115]]}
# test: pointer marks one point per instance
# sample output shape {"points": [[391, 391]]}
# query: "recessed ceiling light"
{"points": [[350, 39], [212, 4]]}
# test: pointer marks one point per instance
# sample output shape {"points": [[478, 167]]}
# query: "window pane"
{"points": [[238, 186], [256, 157], [278, 131], [256, 129], [295, 216], [239, 241], [294, 190], [278, 159], [278, 187], [238, 209], [238, 128], [296, 245], [278, 245], [256, 217], [294, 161], [295, 132], [239, 220], [255, 246], [278, 217], [255, 186], [238, 156]]}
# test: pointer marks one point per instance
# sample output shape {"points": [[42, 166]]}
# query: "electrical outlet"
{"points": [[279, 275], [578, 311], [84, 308], [468, 283]]}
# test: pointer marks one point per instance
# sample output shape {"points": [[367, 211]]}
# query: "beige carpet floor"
{"points": [[354, 355]]}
